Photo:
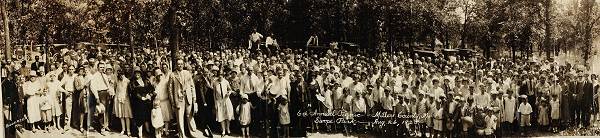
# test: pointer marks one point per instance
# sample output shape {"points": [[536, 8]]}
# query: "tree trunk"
{"points": [[548, 30], [8, 49], [588, 5], [464, 27], [173, 32]]}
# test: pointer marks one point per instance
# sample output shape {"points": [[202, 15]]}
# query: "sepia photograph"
{"points": [[299, 68]]}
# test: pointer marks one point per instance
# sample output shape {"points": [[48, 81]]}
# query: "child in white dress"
{"points": [[284, 116], [555, 112], [543, 114], [244, 110], [157, 118]]}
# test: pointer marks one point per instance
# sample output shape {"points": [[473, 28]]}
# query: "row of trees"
{"points": [[547, 26]]}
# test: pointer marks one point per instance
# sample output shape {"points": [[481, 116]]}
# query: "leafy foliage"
{"points": [[519, 25]]}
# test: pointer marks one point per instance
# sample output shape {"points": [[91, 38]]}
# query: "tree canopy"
{"points": [[524, 26]]}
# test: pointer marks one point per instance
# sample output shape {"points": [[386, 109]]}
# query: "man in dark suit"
{"points": [[587, 100], [202, 83], [35, 66], [577, 103], [12, 98], [567, 113]]}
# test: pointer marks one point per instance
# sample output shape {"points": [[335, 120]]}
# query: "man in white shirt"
{"points": [[271, 42], [525, 110], [313, 40], [99, 88], [437, 90], [68, 82], [245, 82], [279, 85], [255, 40]]}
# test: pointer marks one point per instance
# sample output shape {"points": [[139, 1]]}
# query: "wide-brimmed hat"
{"points": [[137, 69]]}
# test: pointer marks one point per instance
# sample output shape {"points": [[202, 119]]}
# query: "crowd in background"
{"points": [[251, 90]]}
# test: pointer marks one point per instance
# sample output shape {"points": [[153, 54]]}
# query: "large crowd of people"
{"points": [[252, 93]]}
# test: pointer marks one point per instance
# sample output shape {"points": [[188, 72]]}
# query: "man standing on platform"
{"points": [[35, 66], [255, 40]]}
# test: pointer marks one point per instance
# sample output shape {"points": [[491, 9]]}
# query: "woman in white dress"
{"points": [[31, 89], [54, 93], [122, 107], [160, 83], [223, 103]]}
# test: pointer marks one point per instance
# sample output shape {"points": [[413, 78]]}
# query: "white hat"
{"points": [[494, 92], [32, 73], [158, 72], [244, 96], [523, 96]]}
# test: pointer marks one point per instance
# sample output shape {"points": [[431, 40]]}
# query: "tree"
{"points": [[173, 30], [5, 20], [549, 48], [588, 11]]}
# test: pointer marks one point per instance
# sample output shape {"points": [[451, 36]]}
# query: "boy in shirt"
{"points": [[524, 111]]}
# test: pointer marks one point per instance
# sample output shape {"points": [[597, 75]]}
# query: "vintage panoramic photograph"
{"points": [[299, 68]]}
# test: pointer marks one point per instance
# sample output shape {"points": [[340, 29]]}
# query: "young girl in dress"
{"points": [[347, 109], [555, 112], [157, 118], [543, 114], [245, 115], [284, 116]]}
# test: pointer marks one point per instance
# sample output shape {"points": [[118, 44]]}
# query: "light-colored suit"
{"points": [[182, 94], [181, 86]]}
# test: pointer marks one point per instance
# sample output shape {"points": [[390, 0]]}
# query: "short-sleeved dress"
{"points": [[284, 114], [245, 114], [33, 102], [543, 115], [163, 95], [222, 102], [555, 109], [122, 106]]}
